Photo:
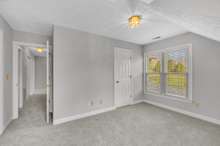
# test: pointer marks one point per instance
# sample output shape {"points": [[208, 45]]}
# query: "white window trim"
{"points": [[189, 70]]}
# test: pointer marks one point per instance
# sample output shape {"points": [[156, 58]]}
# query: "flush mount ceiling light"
{"points": [[39, 50], [134, 21]]}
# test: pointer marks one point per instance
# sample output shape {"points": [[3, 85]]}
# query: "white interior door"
{"points": [[49, 84], [122, 77]]}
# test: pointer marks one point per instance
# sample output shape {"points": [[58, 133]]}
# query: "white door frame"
{"points": [[15, 74], [49, 100], [48, 82], [115, 79], [20, 77], [1, 83], [16, 84]]}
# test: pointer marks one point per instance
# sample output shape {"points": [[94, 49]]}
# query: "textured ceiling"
{"points": [[198, 16], [163, 18]]}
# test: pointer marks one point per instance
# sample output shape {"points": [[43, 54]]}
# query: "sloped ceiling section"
{"points": [[109, 18], [198, 16]]}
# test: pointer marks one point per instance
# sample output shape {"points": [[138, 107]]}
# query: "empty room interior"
{"points": [[109, 73]]}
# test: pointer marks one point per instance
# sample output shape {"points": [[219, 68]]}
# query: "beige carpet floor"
{"points": [[136, 125]]}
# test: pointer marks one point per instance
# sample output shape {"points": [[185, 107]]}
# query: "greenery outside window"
{"points": [[153, 72]]}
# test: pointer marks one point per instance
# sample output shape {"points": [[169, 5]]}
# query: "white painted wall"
{"points": [[6, 74], [84, 71], [30, 74], [40, 75], [32, 38], [206, 70]]}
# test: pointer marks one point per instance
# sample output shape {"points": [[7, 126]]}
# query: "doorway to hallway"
{"points": [[32, 84]]}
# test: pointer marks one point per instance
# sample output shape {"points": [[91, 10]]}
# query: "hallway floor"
{"points": [[32, 115], [136, 125]]}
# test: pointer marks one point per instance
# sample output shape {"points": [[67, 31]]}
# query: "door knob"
{"points": [[117, 82]]}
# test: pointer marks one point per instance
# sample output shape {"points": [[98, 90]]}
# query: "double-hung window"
{"points": [[168, 72]]}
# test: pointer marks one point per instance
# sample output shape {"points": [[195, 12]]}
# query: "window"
{"points": [[168, 72], [153, 71]]}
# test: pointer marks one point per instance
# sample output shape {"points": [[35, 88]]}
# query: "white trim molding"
{"points": [[2, 129], [29, 44], [91, 113], [177, 110], [138, 101], [184, 112], [81, 116], [1, 83]]}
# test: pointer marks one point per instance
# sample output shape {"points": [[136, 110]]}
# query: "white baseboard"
{"points": [[191, 114], [138, 101], [80, 116], [2, 129], [92, 113]]}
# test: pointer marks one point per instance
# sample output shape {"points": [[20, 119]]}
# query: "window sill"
{"points": [[171, 97]]}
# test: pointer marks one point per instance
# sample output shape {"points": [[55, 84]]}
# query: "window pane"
{"points": [[153, 69], [176, 61], [153, 83], [176, 80], [176, 84], [153, 65]]}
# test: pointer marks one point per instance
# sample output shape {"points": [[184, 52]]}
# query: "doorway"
{"points": [[32, 83], [122, 77]]}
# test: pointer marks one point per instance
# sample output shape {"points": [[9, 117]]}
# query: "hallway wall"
{"points": [[6, 101], [40, 74], [32, 38]]}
